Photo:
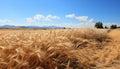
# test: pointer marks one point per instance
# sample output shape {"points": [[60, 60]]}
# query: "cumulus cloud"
{"points": [[83, 21], [40, 17], [70, 16], [80, 18], [50, 17], [5, 21]]}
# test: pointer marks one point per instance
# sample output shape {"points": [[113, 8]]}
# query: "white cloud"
{"points": [[30, 20], [80, 18], [84, 22], [40, 17], [43, 20], [50, 17], [70, 16], [5, 21]]}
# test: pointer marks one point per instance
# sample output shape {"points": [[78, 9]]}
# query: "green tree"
{"points": [[106, 27], [118, 27], [99, 25], [113, 26]]}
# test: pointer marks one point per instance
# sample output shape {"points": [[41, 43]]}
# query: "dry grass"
{"points": [[59, 49]]}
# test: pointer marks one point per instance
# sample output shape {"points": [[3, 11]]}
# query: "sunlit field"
{"points": [[59, 49]]}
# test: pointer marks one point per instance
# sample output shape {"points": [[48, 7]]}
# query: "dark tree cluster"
{"points": [[100, 26], [113, 26]]}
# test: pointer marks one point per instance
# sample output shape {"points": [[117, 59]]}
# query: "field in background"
{"points": [[60, 49]]}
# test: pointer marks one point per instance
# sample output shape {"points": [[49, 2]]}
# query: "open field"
{"points": [[60, 49]]}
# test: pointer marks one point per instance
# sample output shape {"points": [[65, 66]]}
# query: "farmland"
{"points": [[59, 49]]}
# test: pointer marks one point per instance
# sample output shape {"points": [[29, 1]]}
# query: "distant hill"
{"points": [[12, 26]]}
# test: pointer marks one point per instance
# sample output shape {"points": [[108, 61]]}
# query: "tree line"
{"points": [[100, 25]]}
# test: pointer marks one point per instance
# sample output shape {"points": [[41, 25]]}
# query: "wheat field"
{"points": [[59, 49]]}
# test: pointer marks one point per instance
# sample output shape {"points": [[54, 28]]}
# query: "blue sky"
{"points": [[67, 13]]}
